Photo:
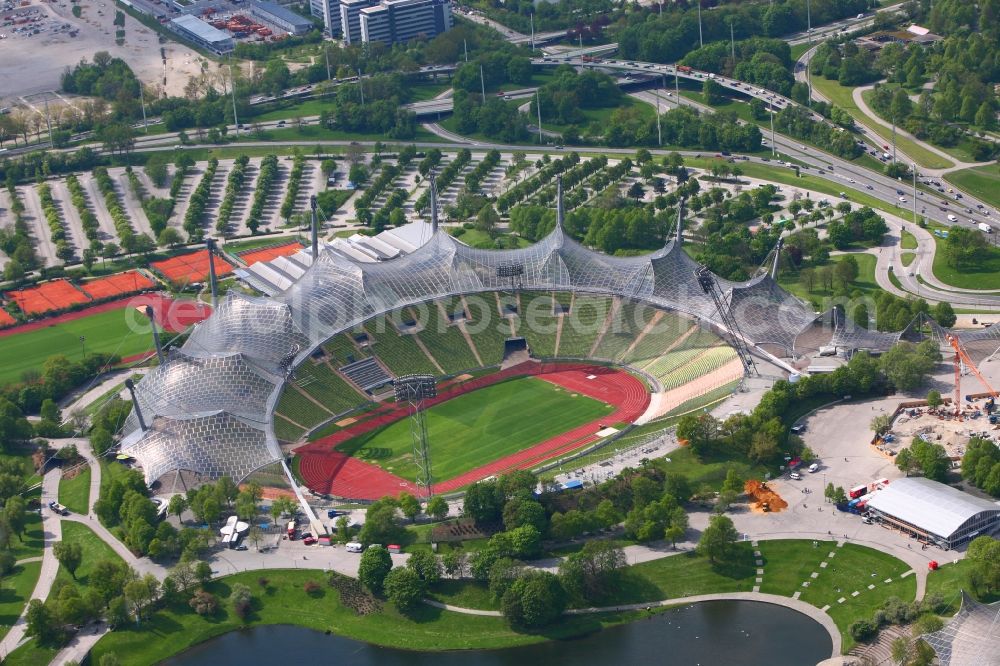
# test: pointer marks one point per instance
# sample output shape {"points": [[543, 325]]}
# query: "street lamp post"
{"points": [[83, 346]]}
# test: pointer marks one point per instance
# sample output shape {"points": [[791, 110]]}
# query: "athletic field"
{"points": [[104, 332], [478, 427]]}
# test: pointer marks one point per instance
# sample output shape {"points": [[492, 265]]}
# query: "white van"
{"points": [[813, 468], [354, 547], [952, 218]]}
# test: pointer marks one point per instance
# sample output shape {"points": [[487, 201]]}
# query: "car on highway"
{"points": [[869, 187], [852, 181]]}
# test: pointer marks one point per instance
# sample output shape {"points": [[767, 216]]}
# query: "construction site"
{"points": [[953, 421]]}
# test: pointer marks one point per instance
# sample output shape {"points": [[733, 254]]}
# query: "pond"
{"points": [[714, 632]]}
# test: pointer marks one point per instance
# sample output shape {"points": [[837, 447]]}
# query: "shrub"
{"points": [[311, 587], [204, 603]]}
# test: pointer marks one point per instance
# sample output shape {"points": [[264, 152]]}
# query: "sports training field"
{"points": [[476, 428], [105, 332]]}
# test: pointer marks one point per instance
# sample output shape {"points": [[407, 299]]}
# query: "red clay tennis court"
{"points": [[115, 285], [6, 320], [49, 296], [174, 316], [191, 267], [268, 253]]}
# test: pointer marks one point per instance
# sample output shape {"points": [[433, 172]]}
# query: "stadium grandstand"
{"points": [[264, 369]]}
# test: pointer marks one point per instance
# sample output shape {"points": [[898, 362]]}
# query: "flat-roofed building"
{"points": [[934, 511], [329, 12], [399, 21], [350, 19], [280, 17], [203, 34]]}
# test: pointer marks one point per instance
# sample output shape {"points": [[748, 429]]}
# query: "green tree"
{"points": [[437, 507], [901, 650], [404, 588], [177, 505], [69, 554], [534, 600], [374, 567], [426, 565], [409, 505], [718, 540], [933, 398], [944, 314]]}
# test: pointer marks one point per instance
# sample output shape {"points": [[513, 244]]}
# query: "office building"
{"points": [[329, 12], [350, 19], [399, 21]]}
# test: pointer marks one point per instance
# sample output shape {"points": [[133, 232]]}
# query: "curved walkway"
{"points": [[51, 532]]}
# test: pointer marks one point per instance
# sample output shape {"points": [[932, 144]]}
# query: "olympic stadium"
{"points": [[263, 373]]}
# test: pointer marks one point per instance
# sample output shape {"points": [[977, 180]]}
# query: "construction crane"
{"points": [[962, 357]]}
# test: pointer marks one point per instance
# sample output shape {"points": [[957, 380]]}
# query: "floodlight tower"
{"points": [[709, 285], [414, 390]]}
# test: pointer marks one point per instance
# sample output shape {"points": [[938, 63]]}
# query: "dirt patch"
{"points": [[343, 423], [762, 498], [353, 595], [462, 530]]}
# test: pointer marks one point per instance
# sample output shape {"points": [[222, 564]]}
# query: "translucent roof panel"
{"points": [[214, 446], [929, 505], [971, 638]]}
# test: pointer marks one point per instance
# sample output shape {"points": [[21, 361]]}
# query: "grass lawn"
{"points": [[601, 115], [112, 332], [31, 654], [178, 627], [949, 581], [464, 593], [907, 258], [853, 569], [317, 133], [481, 426], [981, 182], [258, 242], [841, 96], [15, 592], [74, 493], [865, 282], [711, 471], [789, 563], [683, 575], [799, 49], [481, 239], [985, 275], [908, 241], [93, 547], [31, 542]]}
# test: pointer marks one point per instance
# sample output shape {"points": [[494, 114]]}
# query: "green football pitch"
{"points": [[479, 427], [109, 332]]}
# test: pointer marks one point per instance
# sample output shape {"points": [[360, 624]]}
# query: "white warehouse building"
{"points": [[934, 511]]}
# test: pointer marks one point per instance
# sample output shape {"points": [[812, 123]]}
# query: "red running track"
{"points": [[327, 470]]}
